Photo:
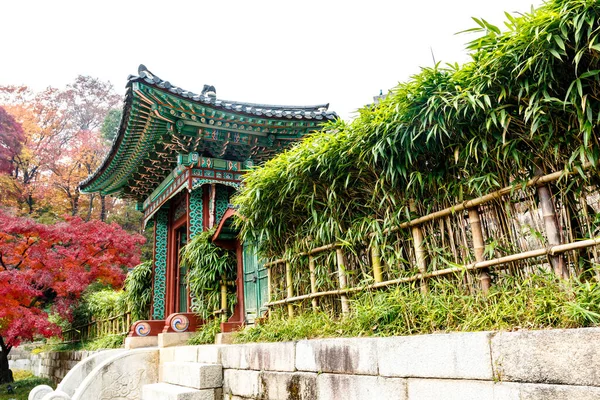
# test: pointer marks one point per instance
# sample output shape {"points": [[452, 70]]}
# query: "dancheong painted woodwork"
{"points": [[181, 156]]}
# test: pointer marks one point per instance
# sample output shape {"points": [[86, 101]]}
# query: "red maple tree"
{"points": [[11, 141], [45, 268]]}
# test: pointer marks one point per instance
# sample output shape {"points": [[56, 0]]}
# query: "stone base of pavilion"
{"points": [[176, 330]]}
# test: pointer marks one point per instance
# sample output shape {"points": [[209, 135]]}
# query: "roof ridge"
{"points": [[145, 74]]}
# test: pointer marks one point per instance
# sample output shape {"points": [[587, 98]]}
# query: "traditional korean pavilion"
{"points": [[181, 156]]}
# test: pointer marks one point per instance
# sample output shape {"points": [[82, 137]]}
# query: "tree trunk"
{"points": [[75, 210], [90, 207], [102, 208], [6, 375], [30, 203]]}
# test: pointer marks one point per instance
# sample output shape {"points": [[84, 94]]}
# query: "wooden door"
{"points": [[255, 284]]}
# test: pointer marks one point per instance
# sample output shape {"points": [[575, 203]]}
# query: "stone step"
{"points": [[165, 391], [192, 374]]}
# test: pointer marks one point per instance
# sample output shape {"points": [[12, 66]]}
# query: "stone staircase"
{"points": [[184, 380]]}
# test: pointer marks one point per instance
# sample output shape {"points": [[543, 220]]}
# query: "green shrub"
{"points": [[138, 291], [105, 342], [529, 98], [207, 334]]}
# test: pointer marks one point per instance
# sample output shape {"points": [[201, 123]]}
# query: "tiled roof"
{"points": [[208, 97]]}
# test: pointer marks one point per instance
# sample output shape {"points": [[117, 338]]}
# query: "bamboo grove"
{"points": [[526, 105]]}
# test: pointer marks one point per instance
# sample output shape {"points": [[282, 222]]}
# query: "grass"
{"points": [[105, 342], [538, 302], [24, 382], [207, 334]]}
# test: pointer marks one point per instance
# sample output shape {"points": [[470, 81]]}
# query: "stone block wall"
{"points": [[522, 365], [55, 365], [52, 365]]}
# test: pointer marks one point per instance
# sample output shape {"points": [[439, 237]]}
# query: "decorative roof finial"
{"points": [[209, 91]]}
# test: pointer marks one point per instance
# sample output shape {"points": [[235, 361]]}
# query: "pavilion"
{"points": [[181, 156]]}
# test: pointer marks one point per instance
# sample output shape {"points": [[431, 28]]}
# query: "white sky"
{"points": [[276, 52]]}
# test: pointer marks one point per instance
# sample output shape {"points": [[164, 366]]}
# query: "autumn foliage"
{"points": [[11, 141], [45, 268]]}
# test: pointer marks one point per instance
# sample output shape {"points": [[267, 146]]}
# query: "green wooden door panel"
{"points": [[255, 284]]}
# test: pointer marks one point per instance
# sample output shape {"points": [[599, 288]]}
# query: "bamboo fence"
{"points": [[517, 230], [116, 325]]}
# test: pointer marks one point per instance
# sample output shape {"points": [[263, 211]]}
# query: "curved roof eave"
{"points": [[208, 98]]}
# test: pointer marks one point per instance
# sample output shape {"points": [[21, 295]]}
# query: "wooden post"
{"points": [[479, 248], [313, 281], [420, 254], [551, 226], [343, 280], [376, 263], [289, 286]]}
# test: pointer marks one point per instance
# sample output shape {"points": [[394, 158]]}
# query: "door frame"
{"points": [[172, 293]]}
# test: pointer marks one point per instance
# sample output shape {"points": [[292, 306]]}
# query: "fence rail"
{"points": [[508, 230], [116, 325]]}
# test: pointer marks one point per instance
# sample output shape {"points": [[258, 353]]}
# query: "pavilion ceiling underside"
{"points": [[159, 125]]}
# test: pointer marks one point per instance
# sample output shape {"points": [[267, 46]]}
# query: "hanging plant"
{"points": [[209, 266]]}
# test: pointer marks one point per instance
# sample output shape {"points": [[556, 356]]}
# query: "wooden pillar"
{"points": [[342, 280], [479, 248], [313, 282], [290, 287], [420, 253], [552, 229], [376, 263]]}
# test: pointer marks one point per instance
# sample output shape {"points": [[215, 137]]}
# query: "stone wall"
{"points": [[52, 365], [523, 365], [55, 365]]}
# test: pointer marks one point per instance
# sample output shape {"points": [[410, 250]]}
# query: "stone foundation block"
{"points": [[186, 353], [242, 383], [563, 356], [164, 391], [136, 342], [174, 339], [436, 389], [224, 338], [346, 356], [455, 355], [210, 354], [194, 375], [558, 392], [260, 356], [360, 387], [271, 356], [288, 385], [233, 357]]}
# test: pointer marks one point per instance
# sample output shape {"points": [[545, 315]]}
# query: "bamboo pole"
{"points": [[269, 283], [376, 262], [290, 287], [343, 280], [554, 250], [313, 281], [484, 199], [223, 299], [479, 248], [417, 235], [306, 253], [552, 229]]}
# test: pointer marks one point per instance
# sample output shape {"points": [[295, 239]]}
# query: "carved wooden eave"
{"points": [[161, 121]]}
